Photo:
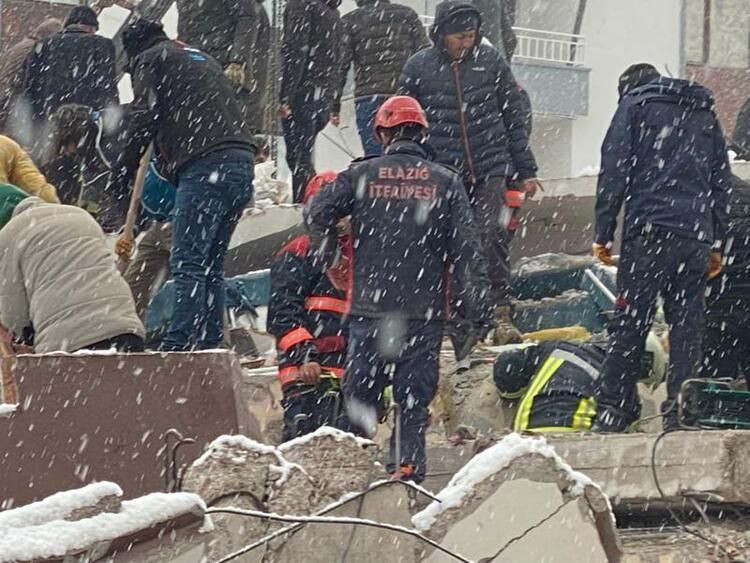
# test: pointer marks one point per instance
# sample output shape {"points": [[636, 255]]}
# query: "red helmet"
{"points": [[316, 184], [399, 110]]}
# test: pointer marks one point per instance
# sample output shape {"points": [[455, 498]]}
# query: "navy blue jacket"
{"points": [[664, 156], [476, 113], [732, 287], [412, 230]]}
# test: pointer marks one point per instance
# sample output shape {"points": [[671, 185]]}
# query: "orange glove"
{"points": [[714, 265], [124, 246], [603, 253]]}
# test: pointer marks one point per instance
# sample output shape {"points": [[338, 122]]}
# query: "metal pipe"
{"points": [[600, 285]]}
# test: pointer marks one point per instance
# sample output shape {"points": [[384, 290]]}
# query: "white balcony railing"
{"points": [[550, 47], [540, 45]]}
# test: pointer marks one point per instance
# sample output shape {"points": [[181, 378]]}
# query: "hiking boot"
{"points": [[610, 421], [505, 332]]}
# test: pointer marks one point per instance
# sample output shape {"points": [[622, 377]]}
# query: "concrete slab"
{"points": [[519, 501], [85, 418]]}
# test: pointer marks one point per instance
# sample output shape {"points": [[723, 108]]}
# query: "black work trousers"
{"points": [[487, 199], [657, 263], [308, 118]]}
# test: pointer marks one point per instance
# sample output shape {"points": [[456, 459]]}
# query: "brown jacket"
{"points": [[17, 168]]}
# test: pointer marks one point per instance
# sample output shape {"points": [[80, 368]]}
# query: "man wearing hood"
{"points": [[184, 104], [237, 34], [310, 93], [665, 158], [478, 127], [379, 37], [12, 70], [58, 280]]}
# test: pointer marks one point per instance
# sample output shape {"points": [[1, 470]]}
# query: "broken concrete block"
{"points": [[324, 543], [520, 488], [41, 531], [71, 505], [99, 416], [261, 393], [337, 463], [237, 471]]}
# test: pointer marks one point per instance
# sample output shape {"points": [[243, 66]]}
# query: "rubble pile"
{"points": [[336, 506]]}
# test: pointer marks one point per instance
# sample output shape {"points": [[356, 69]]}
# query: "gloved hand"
{"points": [[603, 253], [714, 266], [309, 373], [124, 246], [530, 186], [235, 72]]}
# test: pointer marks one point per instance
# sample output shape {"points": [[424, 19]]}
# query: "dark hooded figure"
{"points": [[310, 93], [478, 126], [184, 104], [498, 19], [236, 34], [379, 37], [73, 67], [741, 135], [665, 159], [12, 70], [726, 348]]}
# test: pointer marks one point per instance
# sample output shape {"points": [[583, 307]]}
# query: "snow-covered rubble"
{"points": [[58, 506], [519, 501], [58, 538], [485, 465]]}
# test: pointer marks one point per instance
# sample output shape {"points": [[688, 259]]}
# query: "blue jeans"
{"points": [[366, 107], [378, 355], [211, 194]]}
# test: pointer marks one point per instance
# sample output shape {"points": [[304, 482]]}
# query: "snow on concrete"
{"points": [[322, 432], [487, 463], [221, 443], [56, 539], [7, 409], [57, 506]]}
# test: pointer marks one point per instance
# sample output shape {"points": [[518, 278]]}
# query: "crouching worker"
{"points": [[305, 314], [412, 231], [556, 382], [58, 277]]}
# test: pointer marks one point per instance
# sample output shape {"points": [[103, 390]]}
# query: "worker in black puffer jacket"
{"points": [[478, 119]]}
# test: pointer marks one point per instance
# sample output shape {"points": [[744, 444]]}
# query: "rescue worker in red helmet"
{"points": [[305, 314], [413, 234]]}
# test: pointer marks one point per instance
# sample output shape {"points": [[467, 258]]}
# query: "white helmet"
{"points": [[656, 349]]}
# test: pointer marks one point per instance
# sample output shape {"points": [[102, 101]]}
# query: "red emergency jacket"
{"points": [[306, 311]]}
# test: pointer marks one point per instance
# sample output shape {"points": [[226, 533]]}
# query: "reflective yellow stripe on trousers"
{"points": [[548, 368]]}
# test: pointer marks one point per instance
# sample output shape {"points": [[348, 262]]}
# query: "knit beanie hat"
{"points": [[141, 35], [82, 15], [460, 22], [10, 197]]}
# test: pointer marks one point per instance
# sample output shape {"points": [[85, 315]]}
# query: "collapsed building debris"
{"points": [[265, 507]]}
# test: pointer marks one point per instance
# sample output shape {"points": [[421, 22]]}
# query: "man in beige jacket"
{"points": [[17, 168], [58, 277]]}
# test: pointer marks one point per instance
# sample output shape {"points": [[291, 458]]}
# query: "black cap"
{"points": [[141, 35], [82, 15]]}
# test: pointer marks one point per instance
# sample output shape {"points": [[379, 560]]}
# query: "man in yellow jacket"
{"points": [[17, 168]]}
